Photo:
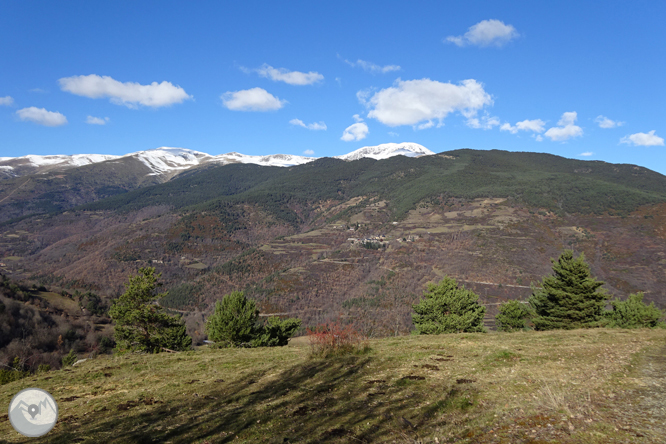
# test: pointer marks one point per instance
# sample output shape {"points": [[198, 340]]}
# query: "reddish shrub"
{"points": [[332, 339]]}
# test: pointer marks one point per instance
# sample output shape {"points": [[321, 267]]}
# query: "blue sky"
{"points": [[577, 79]]}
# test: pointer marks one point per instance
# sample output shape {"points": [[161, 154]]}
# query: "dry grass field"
{"points": [[581, 386]]}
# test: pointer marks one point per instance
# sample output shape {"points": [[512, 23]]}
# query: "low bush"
{"points": [[634, 313], [334, 339], [13, 372], [513, 316], [235, 323], [447, 308], [69, 359]]}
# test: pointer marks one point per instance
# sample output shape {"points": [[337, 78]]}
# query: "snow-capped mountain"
{"points": [[165, 159], [386, 150], [17, 166], [283, 160], [169, 161]]}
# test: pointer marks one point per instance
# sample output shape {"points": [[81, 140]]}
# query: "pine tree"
{"points": [[234, 321], [142, 325], [634, 313], [446, 308], [570, 298], [512, 316]]}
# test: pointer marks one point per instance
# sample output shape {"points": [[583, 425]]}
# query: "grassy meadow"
{"points": [[580, 386]]}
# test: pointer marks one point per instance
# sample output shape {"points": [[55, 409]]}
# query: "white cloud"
{"points": [[392, 134], [286, 76], [96, 120], [355, 132], [536, 126], [7, 101], [485, 122], [586, 154], [311, 126], [357, 118], [373, 67], [538, 138], [412, 101], [255, 99], [486, 33], [566, 129], [130, 94], [643, 139], [605, 122], [568, 118], [41, 116], [426, 125], [308, 152]]}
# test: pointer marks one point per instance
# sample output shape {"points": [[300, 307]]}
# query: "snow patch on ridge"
{"points": [[74, 160], [165, 159], [281, 160], [386, 150]]}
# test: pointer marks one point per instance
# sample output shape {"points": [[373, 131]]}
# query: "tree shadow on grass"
{"points": [[334, 400]]}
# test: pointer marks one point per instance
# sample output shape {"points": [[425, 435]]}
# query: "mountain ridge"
{"points": [[169, 160]]}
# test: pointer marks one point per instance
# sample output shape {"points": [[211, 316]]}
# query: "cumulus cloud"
{"points": [[485, 122], [308, 152], [587, 153], [426, 125], [411, 102], [643, 139], [536, 126], [41, 116], [130, 94], [96, 120], [566, 129], [286, 76], [605, 122], [357, 131], [7, 101], [373, 67], [538, 138], [486, 33], [254, 99], [311, 126]]}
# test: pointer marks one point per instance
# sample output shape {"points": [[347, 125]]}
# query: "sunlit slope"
{"points": [[543, 180]]}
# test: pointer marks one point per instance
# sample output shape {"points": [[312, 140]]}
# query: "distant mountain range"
{"points": [[166, 161], [333, 237]]}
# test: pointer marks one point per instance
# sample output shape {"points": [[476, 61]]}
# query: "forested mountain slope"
{"points": [[356, 239]]}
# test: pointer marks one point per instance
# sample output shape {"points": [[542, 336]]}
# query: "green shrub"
{"points": [[512, 316], [14, 372], [634, 313], [7, 376], [234, 323], [69, 359], [446, 308], [276, 332]]}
